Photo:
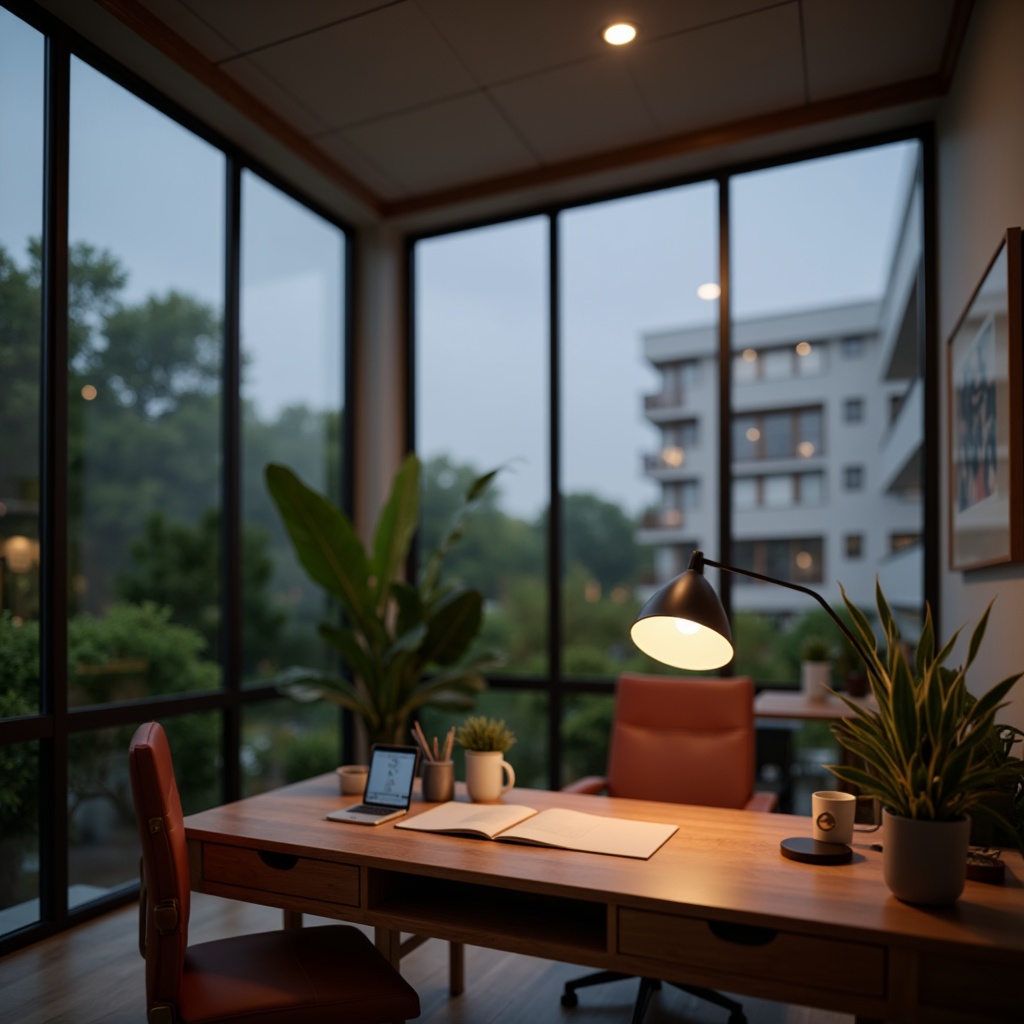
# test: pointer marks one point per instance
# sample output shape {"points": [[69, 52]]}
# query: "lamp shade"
{"points": [[684, 625]]}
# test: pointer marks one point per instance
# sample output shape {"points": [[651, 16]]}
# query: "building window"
{"points": [[903, 541], [809, 359], [853, 544], [853, 410], [852, 348], [810, 489], [803, 359], [796, 560], [784, 434], [853, 478]]}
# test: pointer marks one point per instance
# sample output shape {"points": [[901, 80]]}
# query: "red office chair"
{"points": [[680, 740], [317, 975]]}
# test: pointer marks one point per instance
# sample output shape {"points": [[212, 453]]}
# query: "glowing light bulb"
{"points": [[620, 33]]}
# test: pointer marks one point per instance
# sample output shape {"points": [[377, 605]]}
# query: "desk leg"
{"points": [[292, 918], [456, 968], [390, 944]]}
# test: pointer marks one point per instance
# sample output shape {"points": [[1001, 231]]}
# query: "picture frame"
{"points": [[986, 418]]}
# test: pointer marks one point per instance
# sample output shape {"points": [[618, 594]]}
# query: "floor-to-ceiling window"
{"points": [[724, 365], [22, 57], [173, 320]]}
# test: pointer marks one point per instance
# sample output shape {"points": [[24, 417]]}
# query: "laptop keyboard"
{"points": [[372, 811]]}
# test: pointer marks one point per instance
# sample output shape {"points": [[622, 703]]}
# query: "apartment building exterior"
{"points": [[826, 427]]}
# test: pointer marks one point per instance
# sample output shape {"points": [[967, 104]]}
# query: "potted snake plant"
{"points": [[927, 754]]}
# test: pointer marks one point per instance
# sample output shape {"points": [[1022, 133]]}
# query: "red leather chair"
{"points": [[679, 740], [325, 974]]}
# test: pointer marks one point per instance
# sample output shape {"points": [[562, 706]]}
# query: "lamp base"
{"points": [[810, 851]]}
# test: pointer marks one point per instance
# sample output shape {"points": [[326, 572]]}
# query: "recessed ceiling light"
{"points": [[620, 33], [708, 291]]}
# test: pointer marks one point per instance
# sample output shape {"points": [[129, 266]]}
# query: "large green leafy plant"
{"points": [[931, 750], [406, 644]]}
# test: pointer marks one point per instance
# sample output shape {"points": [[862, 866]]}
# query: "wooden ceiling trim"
{"points": [[155, 32], [912, 91]]}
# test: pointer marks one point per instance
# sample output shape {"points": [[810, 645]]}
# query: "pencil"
{"points": [[422, 740]]}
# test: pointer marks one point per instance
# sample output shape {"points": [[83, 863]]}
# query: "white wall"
{"points": [[980, 150]]}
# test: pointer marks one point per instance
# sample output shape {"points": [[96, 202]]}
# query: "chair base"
{"points": [[648, 986]]}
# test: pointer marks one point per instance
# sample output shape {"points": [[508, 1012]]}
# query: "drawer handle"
{"points": [[742, 934], [278, 861]]}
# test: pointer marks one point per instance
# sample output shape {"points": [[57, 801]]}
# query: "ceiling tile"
{"points": [[847, 53], [499, 41], [180, 18], [367, 67], [445, 144], [358, 164], [250, 24], [578, 110], [724, 72], [258, 84]]}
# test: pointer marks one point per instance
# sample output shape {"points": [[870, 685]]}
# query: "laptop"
{"points": [[388, 786]]}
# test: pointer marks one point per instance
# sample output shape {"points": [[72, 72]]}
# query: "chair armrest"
{"points": [[765, 801], [592, 784]]}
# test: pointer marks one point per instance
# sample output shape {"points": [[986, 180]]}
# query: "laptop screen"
{"points": [[392, 771]]}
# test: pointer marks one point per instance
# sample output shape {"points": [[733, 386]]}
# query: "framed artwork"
{"points": [[986, 420]]}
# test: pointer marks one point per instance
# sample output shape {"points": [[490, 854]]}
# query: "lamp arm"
{"points": [[698, 560]]}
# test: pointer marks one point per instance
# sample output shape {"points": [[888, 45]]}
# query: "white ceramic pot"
{"points": [[815, 679], [924, 862]]}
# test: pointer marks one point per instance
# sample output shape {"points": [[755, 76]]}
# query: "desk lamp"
{"points": [[684, 625]]}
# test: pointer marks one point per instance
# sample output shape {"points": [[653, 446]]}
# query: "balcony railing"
{"points": [[663, 400]]}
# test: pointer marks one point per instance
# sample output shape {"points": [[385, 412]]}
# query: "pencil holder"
{"points": [[438, 779]]}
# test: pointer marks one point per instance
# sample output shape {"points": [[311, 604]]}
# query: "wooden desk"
{"points": [[717, 905], [796, 705]]}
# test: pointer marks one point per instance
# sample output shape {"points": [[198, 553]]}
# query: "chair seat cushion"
{"points": [[299, 976]]}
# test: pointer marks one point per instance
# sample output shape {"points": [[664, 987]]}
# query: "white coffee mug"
{"points": [[832, 814], [488, 775]]}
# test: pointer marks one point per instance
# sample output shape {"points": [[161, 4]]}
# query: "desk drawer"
{"points": [[761, 953], [275, 872]]}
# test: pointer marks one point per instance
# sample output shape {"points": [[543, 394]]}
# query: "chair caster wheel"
{"points": [[570, 999]]}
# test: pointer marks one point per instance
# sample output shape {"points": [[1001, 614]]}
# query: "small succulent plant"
{"points": [[480, 733]]}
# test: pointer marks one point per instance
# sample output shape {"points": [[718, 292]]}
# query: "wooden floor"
{"points": [[94, 973]]}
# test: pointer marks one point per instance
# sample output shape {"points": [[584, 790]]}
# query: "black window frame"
{"points": [[55, 724]]}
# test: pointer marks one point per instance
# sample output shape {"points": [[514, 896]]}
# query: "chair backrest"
{"points": [[683, 740], [165, 873]]}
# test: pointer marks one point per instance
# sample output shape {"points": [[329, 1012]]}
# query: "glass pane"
{"points": [[284, 742], [826, 259], [586, 731], [21, 210], [525, 712], [104, 843], [629, 272], [292, 400], [482, 387], [146, 222], [19, 835]]}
